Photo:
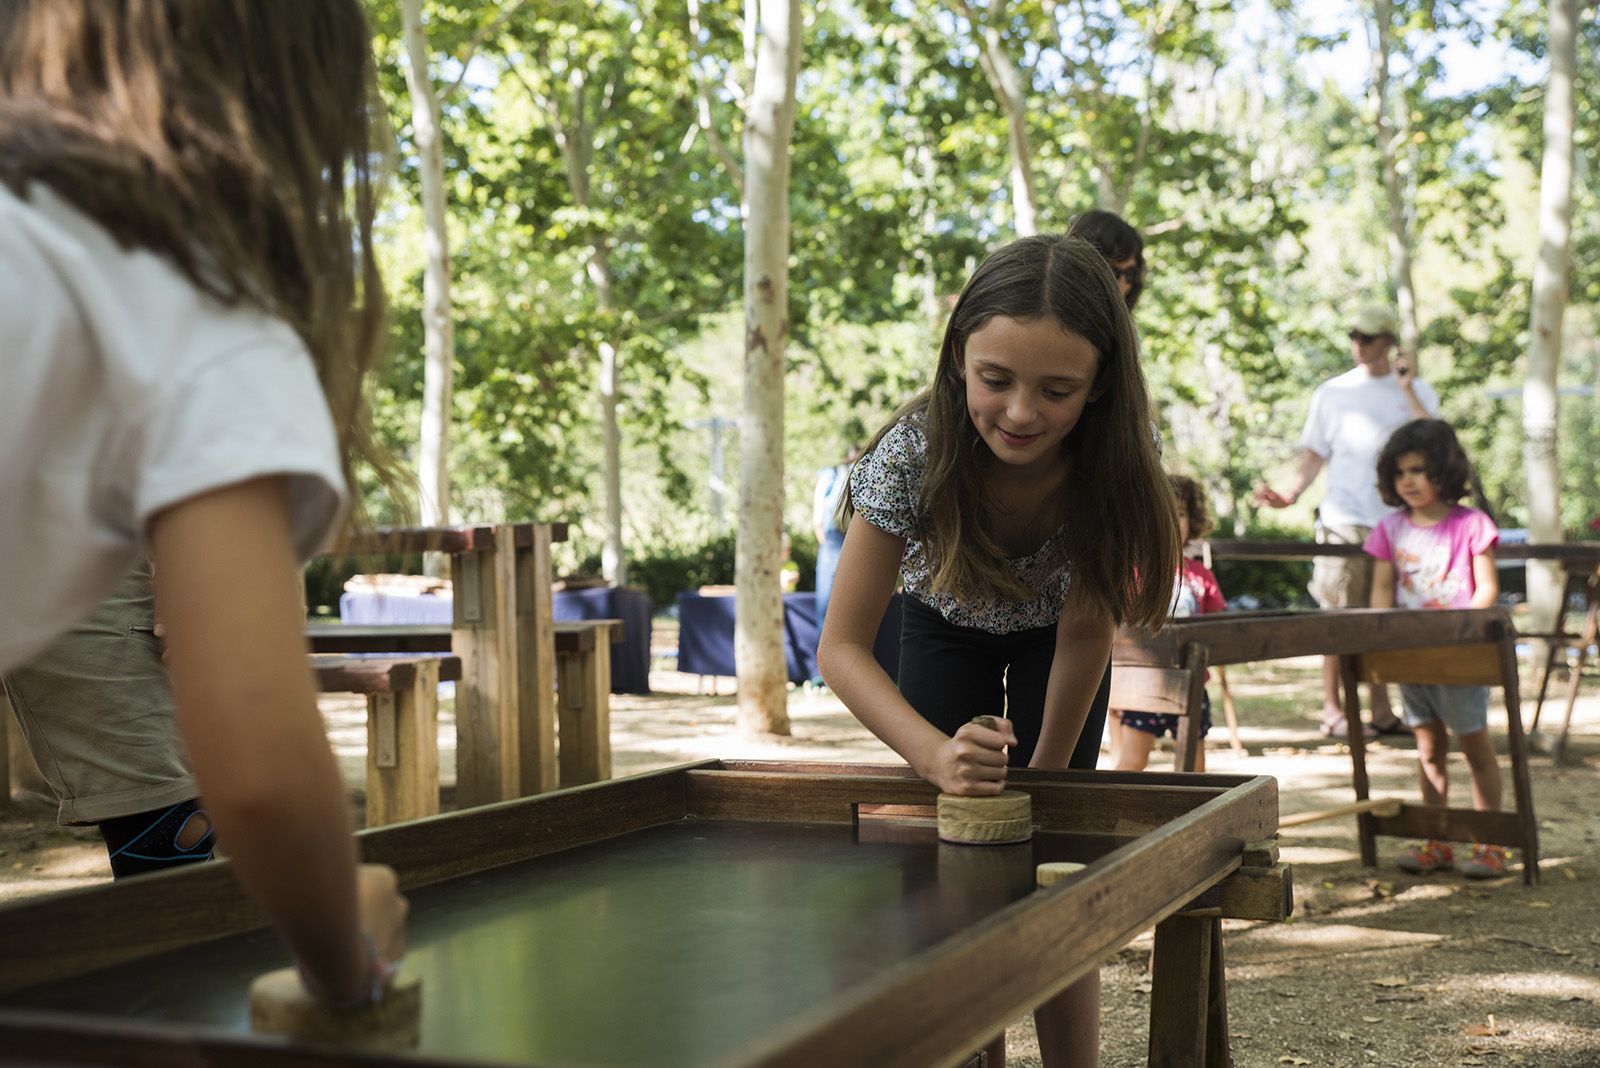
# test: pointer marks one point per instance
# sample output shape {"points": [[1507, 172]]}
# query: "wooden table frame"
{"points": [[1178, 851], [1464, 647], [502, 629]]}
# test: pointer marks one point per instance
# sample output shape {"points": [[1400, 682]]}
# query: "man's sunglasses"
{"points": [[1365, 339]]}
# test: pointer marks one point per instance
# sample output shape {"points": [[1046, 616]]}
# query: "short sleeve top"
{"points": [[885, 487], [1433, 565], [128, 390]]}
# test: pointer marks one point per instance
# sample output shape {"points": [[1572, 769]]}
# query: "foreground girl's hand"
{"points": [[383, 909], [973, 762]]}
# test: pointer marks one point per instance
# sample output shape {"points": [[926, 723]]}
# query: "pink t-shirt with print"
{"points": [[1433, 565]]}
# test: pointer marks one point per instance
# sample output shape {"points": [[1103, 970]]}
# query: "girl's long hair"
{"points": [[241, 139], [1118, 520]]}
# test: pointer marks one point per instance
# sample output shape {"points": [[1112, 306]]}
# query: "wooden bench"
{"points": [[583, 678], [402, 726]]}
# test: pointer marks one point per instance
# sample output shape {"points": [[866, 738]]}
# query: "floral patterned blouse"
{"points": [[884, 488]]}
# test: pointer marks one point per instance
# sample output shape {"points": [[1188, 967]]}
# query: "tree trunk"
{"points": [[1539, 411], [1007, 86], [1399, 230], [613, 559], [758, 630], [438, 320]]}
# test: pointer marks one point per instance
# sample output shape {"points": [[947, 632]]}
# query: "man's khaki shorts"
{"points": [[1342, 581]]}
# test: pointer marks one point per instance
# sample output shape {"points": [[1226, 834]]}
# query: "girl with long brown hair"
{"points": [[188, 307], [1020, 502]]}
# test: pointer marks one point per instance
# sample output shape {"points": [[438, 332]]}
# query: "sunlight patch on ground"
{"points": [[1555, 985], [1270, 944]]}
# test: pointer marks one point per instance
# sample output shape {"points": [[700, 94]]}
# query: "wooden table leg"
{"points": [[1517, 743], [1182, 1002], [1365, 828], [485, 634], [1586, 638], [1218, 1055], [536, 660]]}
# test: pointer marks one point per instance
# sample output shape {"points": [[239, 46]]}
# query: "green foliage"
{"points": [[574, 141]]}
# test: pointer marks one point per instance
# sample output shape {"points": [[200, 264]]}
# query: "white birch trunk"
{"points": [[1539, 411], [438, 319], [1008, 91], [1388, 147], [758, 629]]}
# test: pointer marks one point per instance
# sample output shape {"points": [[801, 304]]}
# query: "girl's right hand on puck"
{"points": [[973, 762]]}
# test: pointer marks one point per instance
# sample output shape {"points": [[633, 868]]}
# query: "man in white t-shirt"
{"points": [[1350, 419]]}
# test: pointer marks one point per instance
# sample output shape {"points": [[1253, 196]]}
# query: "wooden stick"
{"points": [[1378, 806]]}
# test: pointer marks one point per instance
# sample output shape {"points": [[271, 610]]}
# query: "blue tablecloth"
{"points": [[630, 658], [705, 635]]}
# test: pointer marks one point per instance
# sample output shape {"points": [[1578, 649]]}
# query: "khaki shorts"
{"points": [[97, 712], [1342, 581]]}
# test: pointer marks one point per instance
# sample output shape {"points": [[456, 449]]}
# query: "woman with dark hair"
{"points": [[1121, 246]]}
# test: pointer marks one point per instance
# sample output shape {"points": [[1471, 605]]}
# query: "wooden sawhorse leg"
{"points": [[1188, 995]]}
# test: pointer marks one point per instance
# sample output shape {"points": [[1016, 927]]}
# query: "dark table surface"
{"points": [[674, 945]]}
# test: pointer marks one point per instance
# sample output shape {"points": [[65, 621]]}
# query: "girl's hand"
{"points": [[973, 762], [382, 909]]}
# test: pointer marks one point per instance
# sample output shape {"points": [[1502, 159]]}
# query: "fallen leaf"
{"points": [[1239, 1034], [1540, 905], [1381, 998], [1570, 874], [1479, 1031], [1390, 981], [1286, 993], [1372, 1019], [1293, 1060]]}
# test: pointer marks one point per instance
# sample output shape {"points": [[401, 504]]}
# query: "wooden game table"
{"points": [[1456, 647], [717, 914]]}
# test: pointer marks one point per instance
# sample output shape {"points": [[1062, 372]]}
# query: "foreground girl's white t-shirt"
{"points": [[124, 390]]}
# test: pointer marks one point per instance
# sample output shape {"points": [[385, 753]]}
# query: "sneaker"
{"points": [[1486, 862], [1394, 726], [1428, 857]]}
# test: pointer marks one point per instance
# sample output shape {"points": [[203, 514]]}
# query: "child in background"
{"points": [[1196, 593], [188, 308], [1436, 553], [1013, 499]]}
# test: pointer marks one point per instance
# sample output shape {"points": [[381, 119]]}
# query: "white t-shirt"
{"points": [[124, 390], [1350, 420]]}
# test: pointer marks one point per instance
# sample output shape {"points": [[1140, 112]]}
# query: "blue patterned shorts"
{"points": [[1157, 723]]}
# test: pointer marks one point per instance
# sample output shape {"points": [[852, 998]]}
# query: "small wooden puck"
{"points": [[1055, 871], [1005, 818], [281, 1005]]}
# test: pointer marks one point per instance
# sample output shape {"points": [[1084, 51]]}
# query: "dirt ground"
{"points": [[1376, 968]]}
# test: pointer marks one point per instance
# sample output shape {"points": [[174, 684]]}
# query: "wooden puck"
{"points": [[1005, 818], [281, 1005], [1055, 871]]}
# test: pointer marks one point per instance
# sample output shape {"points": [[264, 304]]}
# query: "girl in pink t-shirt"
{"points": [[1435, 553]]}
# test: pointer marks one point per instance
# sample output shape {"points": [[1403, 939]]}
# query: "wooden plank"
{"points": [[531, 620], [1164, 691], [1453, 825], [486, 748], [1091, 807], [1247, 637], [585, 712], [408, 638], [456, 539], [1449, 665], [380, 674]]}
